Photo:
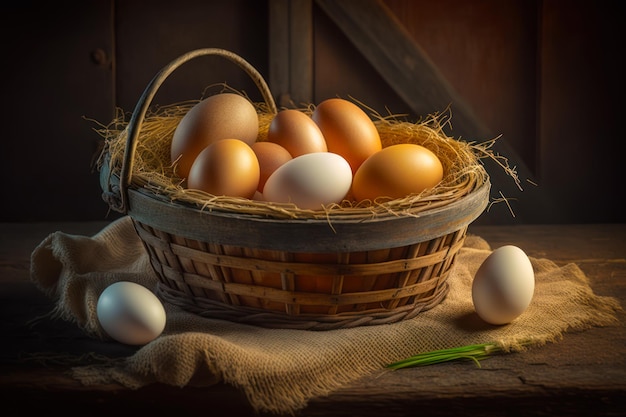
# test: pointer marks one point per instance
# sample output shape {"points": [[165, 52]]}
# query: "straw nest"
{"points": [[153, 171]]}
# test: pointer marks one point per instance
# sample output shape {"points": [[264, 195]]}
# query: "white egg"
{"points": [[130, 313], [310, 181], [503, 286]]}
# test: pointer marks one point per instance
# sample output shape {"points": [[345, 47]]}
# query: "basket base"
{"points": [[275, 289], [263, 318]]}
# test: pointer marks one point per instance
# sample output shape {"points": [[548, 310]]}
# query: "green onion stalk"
{"points": [[474, 353]]}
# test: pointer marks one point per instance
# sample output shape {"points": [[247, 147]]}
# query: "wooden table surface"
{"points": [[583, 374]]}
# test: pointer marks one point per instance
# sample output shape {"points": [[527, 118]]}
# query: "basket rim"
{"points": [[306, 235]]}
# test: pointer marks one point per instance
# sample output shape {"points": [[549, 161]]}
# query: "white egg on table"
{"points": [[503, 285], [130, 313]]}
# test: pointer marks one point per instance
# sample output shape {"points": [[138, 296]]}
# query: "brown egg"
{"points": [[296, 132], [270, 155], [396, 172], [226, 167], [348, 130], [221, 116]]}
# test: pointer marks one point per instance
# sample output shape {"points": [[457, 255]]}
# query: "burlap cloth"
{"points": [[281, 370]]}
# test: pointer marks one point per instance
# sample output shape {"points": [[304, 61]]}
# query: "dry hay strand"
{"points": [[153, 171]]}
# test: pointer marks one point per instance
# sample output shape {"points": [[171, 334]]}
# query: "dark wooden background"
{"points": [[546, 75]]}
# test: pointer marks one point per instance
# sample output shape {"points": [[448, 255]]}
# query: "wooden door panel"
{"points": [[56, 74], [152, 33]]}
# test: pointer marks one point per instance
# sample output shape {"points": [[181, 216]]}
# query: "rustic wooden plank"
{"points": [[301, 51], [291, 51], [577, 108], [279, 50]]}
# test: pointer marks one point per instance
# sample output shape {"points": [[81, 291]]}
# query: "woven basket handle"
{"points": [[137, 118]]}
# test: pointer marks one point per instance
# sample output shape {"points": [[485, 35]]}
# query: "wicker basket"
{"points": [[310, 273]]}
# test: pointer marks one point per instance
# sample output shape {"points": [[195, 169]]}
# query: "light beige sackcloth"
{"points": [[280, 370]]}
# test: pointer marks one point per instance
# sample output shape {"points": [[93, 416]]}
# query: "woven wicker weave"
{"points": [[307, 273]]}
